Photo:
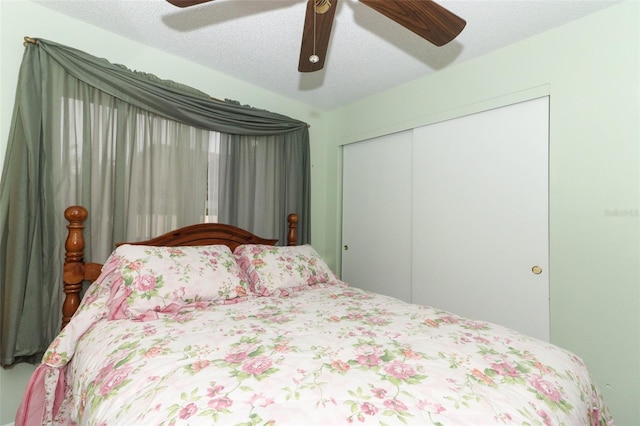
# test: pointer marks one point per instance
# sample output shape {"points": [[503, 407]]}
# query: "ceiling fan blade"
{"points": [[187, 3], [315, 34], [426, 18]]}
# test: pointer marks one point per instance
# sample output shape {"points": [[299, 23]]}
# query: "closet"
{"points": [[455, 215]]}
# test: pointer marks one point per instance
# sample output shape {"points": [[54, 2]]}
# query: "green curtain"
{"points": [[30, 296], [254, 194]]}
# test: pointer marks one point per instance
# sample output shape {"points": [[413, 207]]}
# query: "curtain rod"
{"points": [[29, 40]]}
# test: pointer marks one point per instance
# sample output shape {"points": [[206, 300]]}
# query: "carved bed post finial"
{"points": [[292, 236], [73, 273]]}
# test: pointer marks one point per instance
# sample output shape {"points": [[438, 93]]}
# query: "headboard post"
{"points": [[292, 236], [73, 273]]}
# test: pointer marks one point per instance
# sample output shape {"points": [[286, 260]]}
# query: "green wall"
{"points": [[590, 68]]}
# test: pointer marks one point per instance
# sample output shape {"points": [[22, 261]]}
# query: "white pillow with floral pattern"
{"points": [[152, 280], [275, 270]]}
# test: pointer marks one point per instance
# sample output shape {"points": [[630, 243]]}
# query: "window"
{"points": [[123, 158]]}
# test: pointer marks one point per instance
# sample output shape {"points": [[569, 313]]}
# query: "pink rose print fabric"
{"points": [[327, 356]]}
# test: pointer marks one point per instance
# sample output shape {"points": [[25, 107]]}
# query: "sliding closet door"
{"points": [[376, 221], [480, 216]]}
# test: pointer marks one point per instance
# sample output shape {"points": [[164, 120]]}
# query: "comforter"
{"points": [[326, 356]]}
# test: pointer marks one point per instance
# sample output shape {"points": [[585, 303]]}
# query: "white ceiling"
{"points": [[258, 41]]}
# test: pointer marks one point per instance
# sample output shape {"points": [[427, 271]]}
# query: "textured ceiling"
{"points": [[258, 41]]}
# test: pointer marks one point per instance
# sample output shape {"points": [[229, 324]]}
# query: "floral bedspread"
{"points": [[326, 356]]}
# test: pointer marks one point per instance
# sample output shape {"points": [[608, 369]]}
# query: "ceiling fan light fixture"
{"points": [[314, 59]]}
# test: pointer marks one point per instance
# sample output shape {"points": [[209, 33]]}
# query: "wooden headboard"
{"points": [[76, 270]]}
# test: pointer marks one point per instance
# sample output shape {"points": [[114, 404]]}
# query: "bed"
{"points": [[211, 324]]}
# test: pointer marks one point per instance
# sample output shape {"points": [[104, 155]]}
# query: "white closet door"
{"points": [[480, 216], [376, 221]]}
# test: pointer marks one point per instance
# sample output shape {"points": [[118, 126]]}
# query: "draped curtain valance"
{"points": [[165, 98]]}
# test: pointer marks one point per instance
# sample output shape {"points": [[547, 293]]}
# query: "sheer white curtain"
{"points": [[139, 174]]}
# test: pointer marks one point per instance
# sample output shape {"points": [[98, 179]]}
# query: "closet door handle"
{"points": [[346, 247], [536, 270]]}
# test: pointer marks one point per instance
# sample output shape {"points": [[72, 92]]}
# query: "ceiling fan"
{"points": [[426, 18]]}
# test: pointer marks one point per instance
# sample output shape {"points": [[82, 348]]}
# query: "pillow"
{"points": [[273, 270], [152, 280]]}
